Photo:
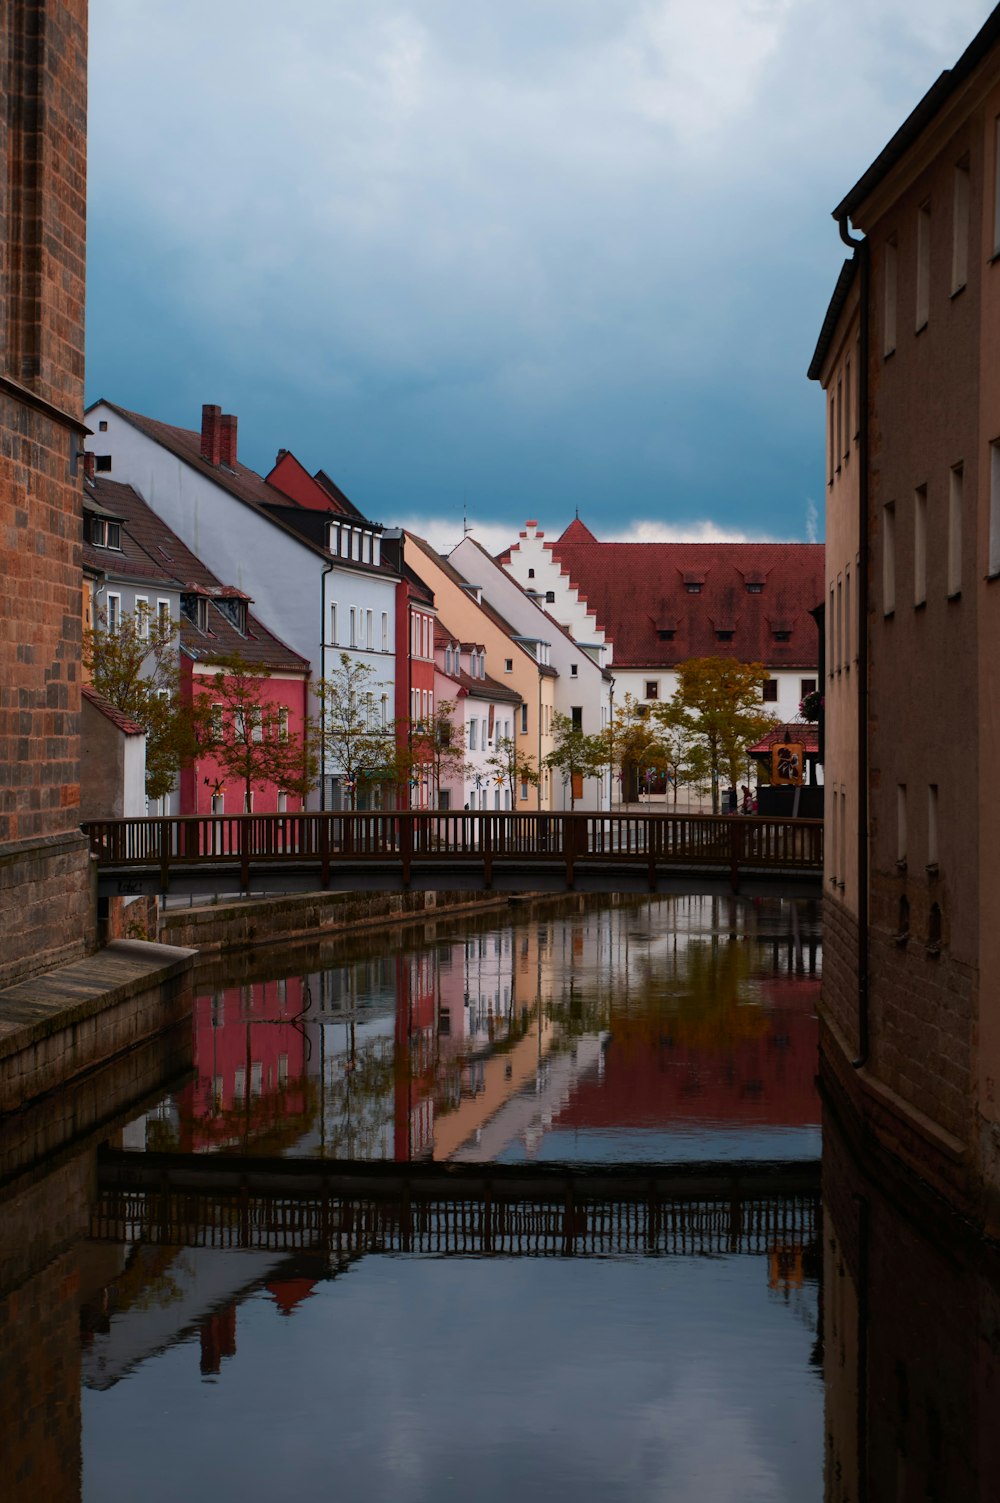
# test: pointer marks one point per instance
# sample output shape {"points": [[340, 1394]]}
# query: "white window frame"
{"points": [[142, 618], [113, 612]]}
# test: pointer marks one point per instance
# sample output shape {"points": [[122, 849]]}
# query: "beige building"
{"points": [[911, 1033], [514, 661]]}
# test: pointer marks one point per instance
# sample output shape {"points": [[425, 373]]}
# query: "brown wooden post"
{"points": [[405, 822], [569, 824], [164, 827], [487, 847], [735, 850], [244, 829]]}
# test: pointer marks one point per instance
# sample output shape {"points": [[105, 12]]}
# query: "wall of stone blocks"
{"points": [[839, 996]]}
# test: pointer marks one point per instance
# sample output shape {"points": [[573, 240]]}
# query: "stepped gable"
{"points": [[662, 603], [156, 552]]}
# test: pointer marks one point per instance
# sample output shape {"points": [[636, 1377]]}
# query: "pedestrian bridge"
{"points": [[396, 850], [347, 1209]]}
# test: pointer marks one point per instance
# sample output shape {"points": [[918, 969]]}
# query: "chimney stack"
{"points": [[89, 465], [227, 446], [211, 433]]}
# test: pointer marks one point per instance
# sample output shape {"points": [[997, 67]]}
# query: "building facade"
{"points": [[911, 1040], [47, 914]]}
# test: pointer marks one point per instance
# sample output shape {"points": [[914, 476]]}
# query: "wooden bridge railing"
{"points": [[322, 840]]}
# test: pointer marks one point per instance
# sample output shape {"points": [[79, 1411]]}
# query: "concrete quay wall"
{"points": [[56, 1027], [245, 923]]}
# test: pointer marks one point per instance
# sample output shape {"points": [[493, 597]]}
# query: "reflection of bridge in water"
{"points": [[345, 1210]]}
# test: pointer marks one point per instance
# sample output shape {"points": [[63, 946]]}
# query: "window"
{"points": [[769, 691], [889, 558], [724, 634], [385, 631], [956, 485], [369, 630], [333, 622], [920, 545], [781, 634], [753, 587], [550, 597], [524, 720], [652, 688], [576, 716], [524, 790], [996, 188], [385, 710], [960, 228], [354, 626], [248, 802], [923, 266], [831, 442], [102, 426], [102, 463], [282, 723], [531, 573], [508, 665], [573, 670], [473, 734], [105, 534], [932, 824], [806, 686], [889, 297], [142, 617], [847, 617], [994, 553], [113, 611], [217, 723], [838, 626], [447, 660], [163, 616], [693, 589]]}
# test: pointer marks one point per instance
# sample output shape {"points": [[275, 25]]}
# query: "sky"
{"points": [[495, 259]]}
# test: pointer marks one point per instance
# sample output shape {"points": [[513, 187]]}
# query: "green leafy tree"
{"points": [[510, 766], [248, 736], [683, 753], [633, 744], [439, 746], [575, 755], [137, 669], [353, 735], [726, 697]]}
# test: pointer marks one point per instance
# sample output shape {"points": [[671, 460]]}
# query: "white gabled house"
{"points": [[297, 547]]}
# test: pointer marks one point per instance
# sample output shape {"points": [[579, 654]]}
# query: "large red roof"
{"points": [[639, 592]]}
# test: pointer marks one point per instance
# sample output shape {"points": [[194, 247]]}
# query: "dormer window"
{"points": [[666, 633], [235, 612], [780, 635], [754, 587], [195, 609], [105, 534], [724, 634], [754, 581], [693, 587]]}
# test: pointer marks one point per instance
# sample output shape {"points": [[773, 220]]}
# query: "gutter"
{"points": [[862, 255]]}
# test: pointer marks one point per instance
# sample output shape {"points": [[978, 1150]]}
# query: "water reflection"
{"points": [[663, 1030]]}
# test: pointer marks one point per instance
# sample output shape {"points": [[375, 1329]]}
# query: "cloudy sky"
{"points": [[517, 257]]}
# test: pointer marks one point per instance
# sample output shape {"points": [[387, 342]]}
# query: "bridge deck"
{"points": [[388, 850]]}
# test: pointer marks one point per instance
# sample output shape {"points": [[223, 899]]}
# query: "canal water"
{"points": [[714, 1334]]}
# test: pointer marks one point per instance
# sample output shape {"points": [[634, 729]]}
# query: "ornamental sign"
{"points": [[787, 761]]}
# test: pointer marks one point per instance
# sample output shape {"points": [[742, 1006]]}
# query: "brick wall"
{"points": [[46, 913], [839, 997]]}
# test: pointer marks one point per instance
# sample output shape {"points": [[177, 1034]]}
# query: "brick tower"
{"points": [[45, 902]]}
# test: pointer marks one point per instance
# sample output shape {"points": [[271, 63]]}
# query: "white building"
{"points": [[484, 718], [307, 558]]}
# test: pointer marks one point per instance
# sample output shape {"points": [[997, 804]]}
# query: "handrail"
{"points": [[486, 838]]}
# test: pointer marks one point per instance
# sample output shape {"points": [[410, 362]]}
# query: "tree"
{"points": [[357, 735], [137, 669], [248, 736], [510, 766], [685, 759], [575, 755], [633, 744], [439, 746], [726, 695]]}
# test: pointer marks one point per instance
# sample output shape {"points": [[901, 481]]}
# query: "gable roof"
{"points": [[245, 484], [577, 532], [639, 590], [127, 726], [451, 573], [168, 559]]}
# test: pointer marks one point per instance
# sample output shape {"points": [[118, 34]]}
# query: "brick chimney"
{"points": [[211, 433], [227, 446]]}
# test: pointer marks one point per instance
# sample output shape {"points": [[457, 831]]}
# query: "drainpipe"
{"points": [[322, 675], [862, 254]]}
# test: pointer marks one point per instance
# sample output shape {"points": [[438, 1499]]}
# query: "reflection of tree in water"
{"points": [[265, 1122], [358, 1099]]}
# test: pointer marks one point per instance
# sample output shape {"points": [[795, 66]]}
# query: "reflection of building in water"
{"points": [[250, 1055], [911, 1343]]}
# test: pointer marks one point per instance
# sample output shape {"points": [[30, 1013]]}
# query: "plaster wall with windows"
{"points": [[305, 594]]}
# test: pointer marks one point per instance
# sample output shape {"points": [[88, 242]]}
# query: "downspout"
{"points": [[322, 676], [862, 254], [541, 773]]}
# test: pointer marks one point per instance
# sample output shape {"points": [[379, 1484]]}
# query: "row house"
{"points": [[642, 609], [137, 566], [484, 716], [521, 664], [291, 541], [583, 688], [416, 619], [910, 1035]]}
